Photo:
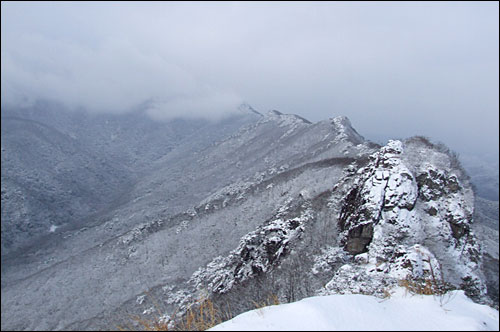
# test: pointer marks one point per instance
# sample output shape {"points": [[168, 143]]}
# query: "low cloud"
{"points": [[395, 69], [215, 104], [114, 77]]}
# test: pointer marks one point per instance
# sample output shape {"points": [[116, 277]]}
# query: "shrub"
{"points": [[420, 286], [200, 316], [271, 300]]}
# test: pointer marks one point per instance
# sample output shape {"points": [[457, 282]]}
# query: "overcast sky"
{"points": [[395, 69]]}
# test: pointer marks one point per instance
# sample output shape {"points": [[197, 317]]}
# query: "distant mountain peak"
{"points": [[342, 127], [247, 108], [277, 115], [341, 120]]}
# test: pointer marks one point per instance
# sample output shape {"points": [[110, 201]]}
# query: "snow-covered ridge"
{"points": [[284, 119], [246, 108], [342, 125]]}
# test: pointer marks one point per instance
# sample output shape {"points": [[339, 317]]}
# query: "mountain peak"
{"points": [[247, 109], [343, 128], [341, 120], [277, 115]]}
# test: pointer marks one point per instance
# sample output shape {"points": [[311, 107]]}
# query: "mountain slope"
{"points": [[246, 207], [62, 168], [49, 178], [197, 195]]}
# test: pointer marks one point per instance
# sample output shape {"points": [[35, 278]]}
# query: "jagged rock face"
{"points": [[434, 184], [397, 215], [257, 252], [358, 238], [384, 189]]}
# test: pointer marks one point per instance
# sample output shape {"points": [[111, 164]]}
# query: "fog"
{"points": [[395, 69]]}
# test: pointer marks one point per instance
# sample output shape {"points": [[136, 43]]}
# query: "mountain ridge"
{"points": [[258, 188]]}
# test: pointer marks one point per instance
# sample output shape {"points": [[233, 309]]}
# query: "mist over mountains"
{"points": [[99, 210], [137, 182], [394, 69]]}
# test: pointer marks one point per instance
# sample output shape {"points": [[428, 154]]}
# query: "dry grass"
{"points": [[423, 287], [439, 289], [204, 316], [201, 316], [387, 294], [271, 300], [146, 325], [429, 286]]}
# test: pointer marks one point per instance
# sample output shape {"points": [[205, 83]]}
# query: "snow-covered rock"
{"points": [[409, 221], [256, 253]]}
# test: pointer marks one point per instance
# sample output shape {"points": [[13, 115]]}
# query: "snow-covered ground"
{"points": [[355, 312]]}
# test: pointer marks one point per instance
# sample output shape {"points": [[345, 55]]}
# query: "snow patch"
{"points": [[366, 313]]}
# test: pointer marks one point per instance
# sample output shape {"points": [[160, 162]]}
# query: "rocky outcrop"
{"points": [[402, 219], [257, 252], [382, 189]]}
